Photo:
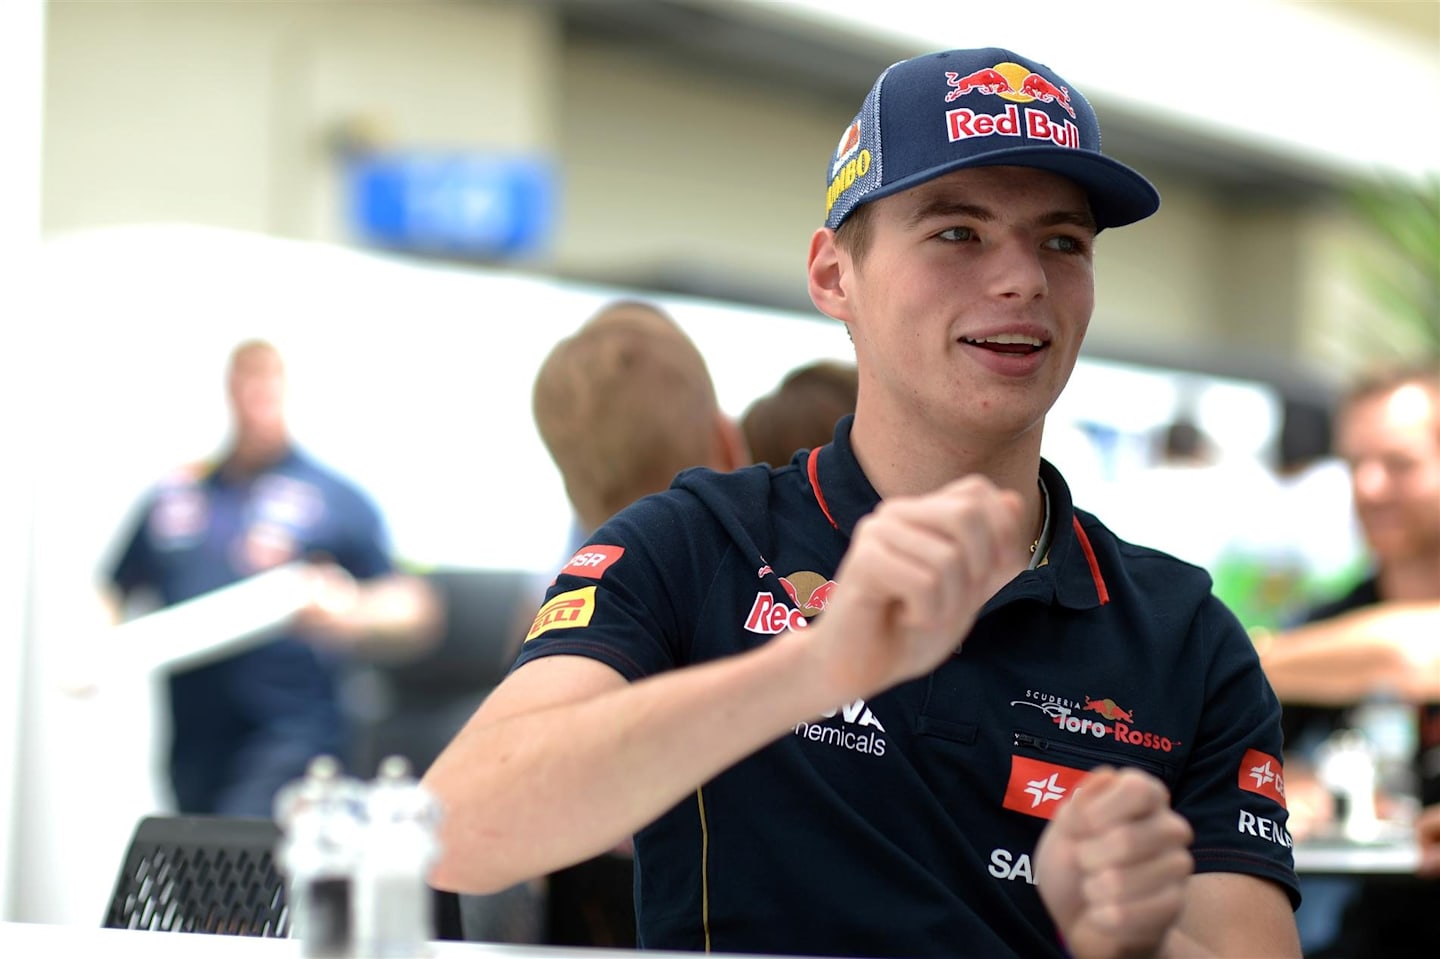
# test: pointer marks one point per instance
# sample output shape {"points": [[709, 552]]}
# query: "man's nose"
{"points": [[1018, 271]]}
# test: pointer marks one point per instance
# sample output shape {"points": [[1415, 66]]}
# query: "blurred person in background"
{"points": [[246, 724], [622, 405], [1427, 831], [905, 700], [801, 412], [1381, 640]]}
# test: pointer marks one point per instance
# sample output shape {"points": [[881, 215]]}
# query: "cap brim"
{"points": [[1118, 195]]}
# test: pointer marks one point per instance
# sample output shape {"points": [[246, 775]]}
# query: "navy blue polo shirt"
{"points": [[199, 530], [905, 824]]}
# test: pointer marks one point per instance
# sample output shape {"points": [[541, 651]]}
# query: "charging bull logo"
{"points": [[1108, 708], [809, 591], [1009, 81]]}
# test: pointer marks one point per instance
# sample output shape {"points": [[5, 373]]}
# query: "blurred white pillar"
{"points": [[22, 58]]}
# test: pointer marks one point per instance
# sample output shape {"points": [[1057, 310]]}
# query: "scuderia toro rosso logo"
{"points": [[1109, 720]]}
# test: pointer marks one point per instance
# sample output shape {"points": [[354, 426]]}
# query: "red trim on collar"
{"points": [[1100, 589], [810, 470]]}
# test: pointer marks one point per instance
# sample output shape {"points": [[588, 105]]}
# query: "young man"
{"points": [[901, 698]]}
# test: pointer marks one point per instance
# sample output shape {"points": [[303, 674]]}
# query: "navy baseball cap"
{"points": [[933, 114]]}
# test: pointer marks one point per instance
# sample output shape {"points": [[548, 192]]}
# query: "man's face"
{"points": [[257, 393], [1390, 441], [972, 299]]}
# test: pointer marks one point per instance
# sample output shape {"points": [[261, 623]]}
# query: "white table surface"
{"points": [[22, 940], [1339, 857]]}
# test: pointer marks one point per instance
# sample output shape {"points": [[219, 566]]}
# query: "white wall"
{"points": [[21, 64]]}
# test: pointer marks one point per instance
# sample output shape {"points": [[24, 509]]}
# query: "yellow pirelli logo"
{"points": [[565, 611]]}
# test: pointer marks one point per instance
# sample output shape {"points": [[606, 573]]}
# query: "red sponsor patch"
{"points": [[1038, 788], [592, 561], [1262, 774]]}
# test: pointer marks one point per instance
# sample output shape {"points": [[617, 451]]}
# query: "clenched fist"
{"points": [[1113, 864], [916, 574]]}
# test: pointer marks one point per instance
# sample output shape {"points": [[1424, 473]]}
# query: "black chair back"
{"points": [[212, 874]]}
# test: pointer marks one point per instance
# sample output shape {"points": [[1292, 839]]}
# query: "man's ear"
{"points": [[826, 272]]}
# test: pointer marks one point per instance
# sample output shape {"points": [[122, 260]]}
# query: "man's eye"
{"points": [[1065, 244], [957, 233]]}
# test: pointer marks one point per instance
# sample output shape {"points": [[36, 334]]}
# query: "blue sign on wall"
{"points": [[453, 203]]}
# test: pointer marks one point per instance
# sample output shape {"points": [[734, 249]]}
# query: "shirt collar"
{"points": [[1072, 576]]}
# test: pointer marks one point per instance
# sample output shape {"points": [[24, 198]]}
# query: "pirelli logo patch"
{"points": [[566, 611]]}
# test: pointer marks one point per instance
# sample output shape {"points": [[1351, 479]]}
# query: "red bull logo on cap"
{"points": [[1009, 81], [1017, 85]]}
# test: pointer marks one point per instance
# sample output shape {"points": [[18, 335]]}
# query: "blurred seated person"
{"points": [[1381, 640], [1427, 834], [801, 412], [623, 405], [244, 725]]}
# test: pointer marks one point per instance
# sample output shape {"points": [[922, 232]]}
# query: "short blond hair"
{"points": [[624, 404]]}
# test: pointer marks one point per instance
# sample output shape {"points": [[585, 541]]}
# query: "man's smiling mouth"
{"points": [[1006, 343]]}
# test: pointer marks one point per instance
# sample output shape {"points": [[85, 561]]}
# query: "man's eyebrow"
{"points": [[937, 208], [1080, 218]]}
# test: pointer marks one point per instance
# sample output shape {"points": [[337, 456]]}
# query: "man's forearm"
{"points": [[526, 794], [1393, 647], [1329, 668]]}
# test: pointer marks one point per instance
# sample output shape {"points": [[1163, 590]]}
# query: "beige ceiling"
{"points": [[1417, 21]]}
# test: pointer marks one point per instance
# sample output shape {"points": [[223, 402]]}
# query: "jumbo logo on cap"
{"points": [[851, 163], [1016, 84]]}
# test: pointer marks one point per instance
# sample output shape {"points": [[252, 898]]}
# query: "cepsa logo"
{"points": [[1038, 788], [565, 611], [1064, 716], [1018, 85], [1262, 774]]}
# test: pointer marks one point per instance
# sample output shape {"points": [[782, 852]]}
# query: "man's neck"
{"points": [[1410, 580], [250, 456], [905, 459]]}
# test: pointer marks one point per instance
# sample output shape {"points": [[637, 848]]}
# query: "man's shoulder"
{"points": [[700, 491], [737, 483], [1139, 561], [188, 473], [306, 467]]}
